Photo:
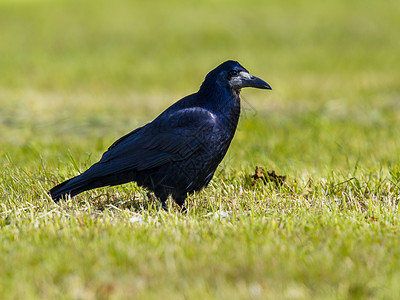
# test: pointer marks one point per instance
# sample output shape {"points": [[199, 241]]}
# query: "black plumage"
{"points": [[178, 152]]}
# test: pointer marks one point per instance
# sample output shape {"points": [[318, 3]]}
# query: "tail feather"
{"points": [[71, 187], [90, 179]]}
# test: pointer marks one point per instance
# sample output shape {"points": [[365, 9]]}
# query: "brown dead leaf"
{"points": [[267, 176]]}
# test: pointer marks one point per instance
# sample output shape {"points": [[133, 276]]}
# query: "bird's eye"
{"points": [[233, 73]]}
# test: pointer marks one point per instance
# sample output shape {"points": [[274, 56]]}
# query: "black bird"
{"points": [[178, 152]]}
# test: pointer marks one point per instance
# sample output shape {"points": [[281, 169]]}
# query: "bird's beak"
{"points": [[245, 79]]}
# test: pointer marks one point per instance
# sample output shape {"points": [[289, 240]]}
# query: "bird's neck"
{"points": [[225, 103]]}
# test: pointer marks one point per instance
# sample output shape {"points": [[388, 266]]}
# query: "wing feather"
{"points": [[170, 138]]}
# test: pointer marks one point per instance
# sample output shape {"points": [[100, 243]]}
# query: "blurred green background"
{"points": [[76, 75], [168, 46]]}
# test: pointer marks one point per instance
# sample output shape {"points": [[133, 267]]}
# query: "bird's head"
{"points": [[234, 76]]}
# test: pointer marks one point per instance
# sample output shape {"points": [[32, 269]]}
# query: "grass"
{"points": [[75, 76]]}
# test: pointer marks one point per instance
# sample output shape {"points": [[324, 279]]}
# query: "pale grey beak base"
{"points": [[245, 79]]}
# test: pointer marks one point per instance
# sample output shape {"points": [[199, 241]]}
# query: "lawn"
{"points": [[77, 75]]}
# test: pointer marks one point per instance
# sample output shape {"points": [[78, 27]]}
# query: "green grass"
{"points": [[76, 75]]}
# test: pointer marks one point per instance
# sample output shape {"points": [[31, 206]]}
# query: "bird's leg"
{"points": [[163, 198], [164, 206], [180, 200], [183, 208]]}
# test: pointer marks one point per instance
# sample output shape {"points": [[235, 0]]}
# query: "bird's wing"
{"points": [[171, 137]]}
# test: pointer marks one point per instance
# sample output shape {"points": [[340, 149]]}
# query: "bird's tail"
{"points": [[72, 187], [92, 178]]}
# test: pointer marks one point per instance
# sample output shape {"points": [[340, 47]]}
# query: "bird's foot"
{"points": [[183, 208], [164, 206]]}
